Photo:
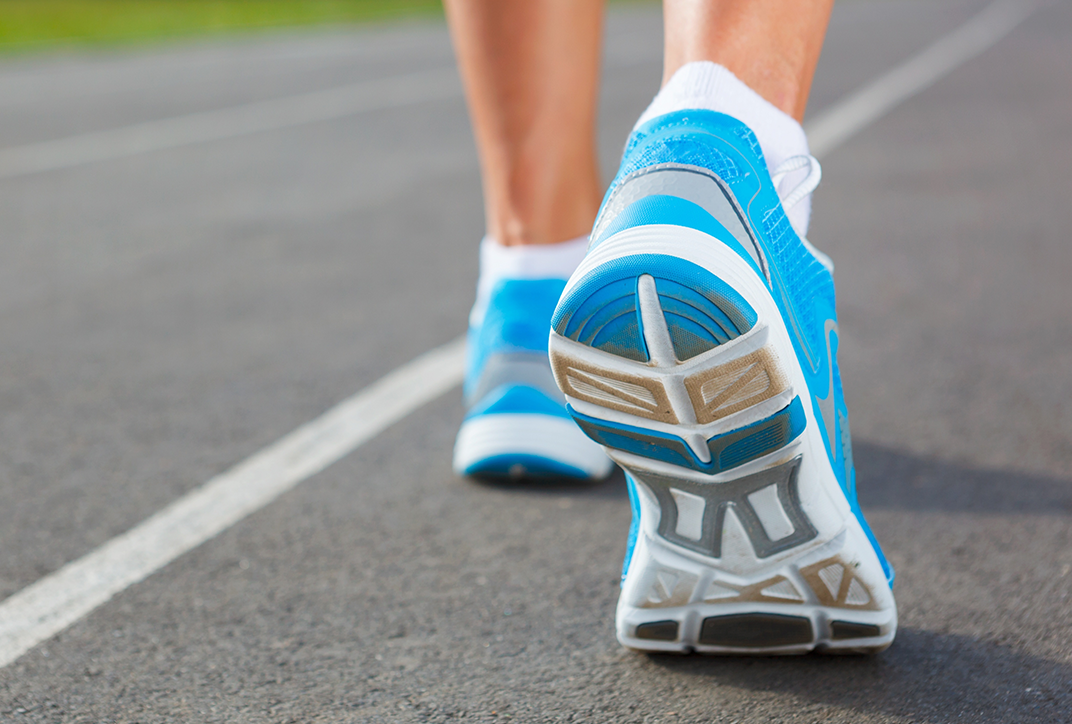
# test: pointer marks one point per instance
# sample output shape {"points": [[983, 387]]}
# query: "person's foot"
{"points": [[516, 425], [697, 341]]}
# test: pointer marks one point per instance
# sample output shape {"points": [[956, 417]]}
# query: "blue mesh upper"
{"points": [[807, 281], [744, 133], [684, 149], [517, 319]]}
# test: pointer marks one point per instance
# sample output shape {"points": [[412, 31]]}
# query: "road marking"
{"points": [[837, 124], [225, 123], [53, 603]]}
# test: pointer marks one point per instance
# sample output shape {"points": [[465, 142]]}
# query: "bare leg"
{"points": [[771, 45], [531, 71]]}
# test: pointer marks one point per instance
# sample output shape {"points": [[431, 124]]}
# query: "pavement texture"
{"points": [[166, 315]]}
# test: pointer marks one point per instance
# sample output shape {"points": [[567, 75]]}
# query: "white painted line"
{"points": [[217, 125], [48, 606], [837, 124], [53, 603]]}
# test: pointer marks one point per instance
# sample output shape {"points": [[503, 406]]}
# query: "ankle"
{"points": [[542, 198], [534, 220]]}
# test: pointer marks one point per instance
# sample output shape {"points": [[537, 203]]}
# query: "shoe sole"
{"points": [[522, 445], [746, 542]]}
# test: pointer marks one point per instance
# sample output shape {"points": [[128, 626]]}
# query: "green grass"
{"points": [[31, 24]]}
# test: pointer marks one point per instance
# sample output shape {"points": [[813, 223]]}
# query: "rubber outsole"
{"points": [[755, 552]]}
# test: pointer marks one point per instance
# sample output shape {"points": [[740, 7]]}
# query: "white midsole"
{"points": [[555, 438]]}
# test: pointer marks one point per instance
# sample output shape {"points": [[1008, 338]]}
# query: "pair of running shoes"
{"points": [[696, 347]]}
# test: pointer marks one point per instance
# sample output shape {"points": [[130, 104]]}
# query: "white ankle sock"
{"points": [[540, 261], [712, 87]]}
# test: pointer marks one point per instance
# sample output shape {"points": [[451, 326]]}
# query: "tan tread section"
{"points": [[735, 386], [632, 394], [834, 584]]}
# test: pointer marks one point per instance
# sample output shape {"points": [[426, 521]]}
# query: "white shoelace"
{"points": [[805, 187], [802, 191]]}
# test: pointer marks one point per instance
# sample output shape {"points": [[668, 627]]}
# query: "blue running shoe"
{"points": [[697, 342], [517, 425]]}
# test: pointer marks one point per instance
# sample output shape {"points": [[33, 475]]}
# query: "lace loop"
{"points": [[805, 187]]}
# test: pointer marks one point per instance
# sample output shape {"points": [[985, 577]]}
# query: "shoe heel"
{"points": [[662, 360], [743, 544], [672, 600]]}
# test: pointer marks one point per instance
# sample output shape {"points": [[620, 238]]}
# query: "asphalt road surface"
{"points": [[164, 315]]}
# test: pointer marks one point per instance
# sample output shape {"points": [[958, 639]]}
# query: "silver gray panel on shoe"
{"points": [[516, 368], [771, 489], [691, 183]]}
